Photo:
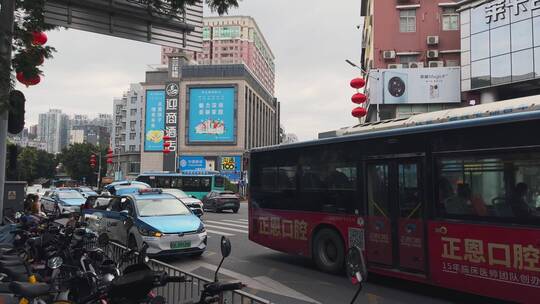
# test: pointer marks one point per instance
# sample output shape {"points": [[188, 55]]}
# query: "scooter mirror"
{"points": [[225, 246], [355, 265], [103, 240]]}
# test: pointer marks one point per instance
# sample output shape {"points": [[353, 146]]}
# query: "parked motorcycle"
{"points": [[356, 269]]}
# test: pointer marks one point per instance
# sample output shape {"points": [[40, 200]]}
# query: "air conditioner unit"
{"points": [[416, 65], [433, 54], [432, 40], [436, 64], [395, 66], [389, 54]]}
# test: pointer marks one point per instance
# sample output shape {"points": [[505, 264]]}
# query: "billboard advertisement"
{"points": [[211, 115], [192, 163], [415, 86], [154, 121], [231, 167]]}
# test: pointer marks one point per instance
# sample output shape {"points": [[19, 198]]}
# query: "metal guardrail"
{"points": [[186, 292]]}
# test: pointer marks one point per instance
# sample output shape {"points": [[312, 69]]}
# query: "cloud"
{"points": [[310, 40]]}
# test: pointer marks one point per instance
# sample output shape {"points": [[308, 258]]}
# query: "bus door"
{"points": [[395, 236]]}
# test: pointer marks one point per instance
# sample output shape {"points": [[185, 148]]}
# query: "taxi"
{"points": [[149, 216]]}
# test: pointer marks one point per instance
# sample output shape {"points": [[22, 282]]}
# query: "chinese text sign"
{"points": [[155, 121]]}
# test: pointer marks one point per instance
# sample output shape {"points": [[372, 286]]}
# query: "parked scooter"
{"points": [[356, 269]]}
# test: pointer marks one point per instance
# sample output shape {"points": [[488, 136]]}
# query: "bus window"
{"points": [[498, 187], [176, 182], [287, 177], [410, 202], [219, 182], [146, 179], [268, 178], [163, 182], [313, 178], [341, 195], [196, 184], [378, 190]]}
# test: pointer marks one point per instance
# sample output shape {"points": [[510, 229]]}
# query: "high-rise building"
{"points": [[79, 120], [234, 40], [399, 36], [92, 134], [53, 130], [33, 131], [126, 131], [103, 120]]}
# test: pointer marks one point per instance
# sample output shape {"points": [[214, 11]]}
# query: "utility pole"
{"points": [[7, 16], [99, 169]]}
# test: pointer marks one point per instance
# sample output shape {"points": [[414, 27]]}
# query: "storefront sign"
{"points": [[171, 113], [192, 163], [501, 9], [230, 166]]}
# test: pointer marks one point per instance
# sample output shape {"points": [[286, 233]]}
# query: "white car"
{"points": [[193, 203]]}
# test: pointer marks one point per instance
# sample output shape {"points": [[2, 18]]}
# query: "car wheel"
{"points": [[329, 251], [235, 210]]}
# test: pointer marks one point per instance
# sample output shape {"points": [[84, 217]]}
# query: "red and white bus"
{"points": [[447, 198]]}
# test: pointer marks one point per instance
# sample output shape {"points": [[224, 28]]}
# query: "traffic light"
{"points": [[93, 161], [109, 156], [166, 144], [16, 112]]}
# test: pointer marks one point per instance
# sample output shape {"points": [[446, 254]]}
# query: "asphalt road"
{"points": [[284, 278]]}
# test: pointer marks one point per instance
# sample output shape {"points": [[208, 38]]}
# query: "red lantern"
{"points": [[39, 38], [109, 161], [359, 112], [166, 144], [28, 81], [166, 151], [359, 98], [110, 151], [358, 83], [166, 138]]}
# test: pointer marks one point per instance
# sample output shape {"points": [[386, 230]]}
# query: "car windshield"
{"points": [[69, 194], [86, 189], [131, 186], [176, 192], [161, 207]]}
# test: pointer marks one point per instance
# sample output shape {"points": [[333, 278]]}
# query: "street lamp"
{"points": [[367, 74]]}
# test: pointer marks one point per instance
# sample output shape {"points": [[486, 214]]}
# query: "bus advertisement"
{"points": [[450, 199]]}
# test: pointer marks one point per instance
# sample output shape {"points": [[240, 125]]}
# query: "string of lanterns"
{"points": [[358, 98], [35, 56]]}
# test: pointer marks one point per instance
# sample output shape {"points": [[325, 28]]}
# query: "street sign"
{"points": [[130, 19]]}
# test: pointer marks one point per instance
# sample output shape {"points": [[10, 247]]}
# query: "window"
{"points": [[480, 74], [452, 63], [406, 59], [407, 21], [450, 19], [134, 99], [500, 41], [522, 35], [132, 148], [500, 69], [196, 184], [522, 65], [377, 190], [410, 198], [286, 177], [133, 112], [502, 187], [134, 167], [219, 181], [132, 136]]}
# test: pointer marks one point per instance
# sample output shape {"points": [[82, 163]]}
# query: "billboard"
{"points": [[415, 86], [212, 115], [231, 167], [154, 121], [192, 163]]}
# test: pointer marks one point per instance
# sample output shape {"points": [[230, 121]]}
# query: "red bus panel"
{"points": [[291, 232], [379, 240], [501, 262], [411, 244]]}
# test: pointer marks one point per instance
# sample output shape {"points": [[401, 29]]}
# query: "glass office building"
{"points": [[500, 44]]}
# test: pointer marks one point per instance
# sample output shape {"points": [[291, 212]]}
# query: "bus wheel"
{"points": [[328, 251]]}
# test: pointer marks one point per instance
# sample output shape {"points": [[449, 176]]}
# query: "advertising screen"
{"points": [[211, 115], [415, 86], [230, 166], [192, 163], [154, 121]]}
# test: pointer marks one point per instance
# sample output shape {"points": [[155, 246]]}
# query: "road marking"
{"points": [[219, 232], [226, 228], [237, 221], [259, 283], [228, 224]]}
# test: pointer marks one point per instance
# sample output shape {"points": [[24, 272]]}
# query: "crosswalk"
{"points": [[226, 227]]}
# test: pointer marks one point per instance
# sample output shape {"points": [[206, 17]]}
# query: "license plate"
{"points": [[180, 244]]}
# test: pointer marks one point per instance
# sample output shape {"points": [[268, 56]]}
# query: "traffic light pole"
{"points": [[99, 171], [7, 15]]}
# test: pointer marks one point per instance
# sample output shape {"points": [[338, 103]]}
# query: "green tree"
{"points": [[31, 164], [76, 161]]}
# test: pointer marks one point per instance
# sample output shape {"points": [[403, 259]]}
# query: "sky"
{"points": [[310, 39]]}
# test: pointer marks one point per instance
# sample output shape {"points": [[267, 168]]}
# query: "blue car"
{"points": [[62, 201], [86, 191], [151, 217], [125, 187]]}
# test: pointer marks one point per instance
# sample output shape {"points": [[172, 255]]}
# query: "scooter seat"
{"points": [[9, 263], [29, 290], [16, 273]]}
